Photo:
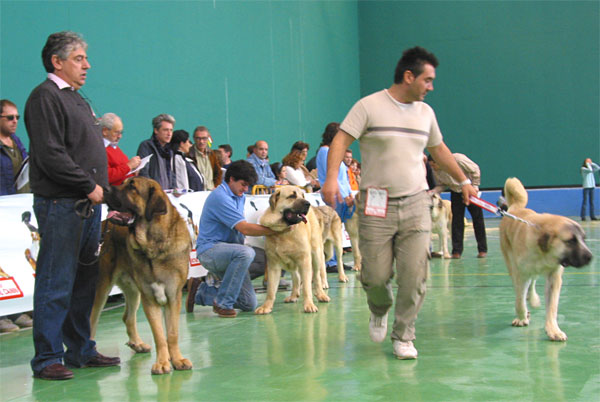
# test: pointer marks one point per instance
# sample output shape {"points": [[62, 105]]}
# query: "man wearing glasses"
{"points": [[205, 159], [12, 151]]}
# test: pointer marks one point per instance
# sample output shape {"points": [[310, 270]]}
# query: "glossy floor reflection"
{"points": [[467, 348]]}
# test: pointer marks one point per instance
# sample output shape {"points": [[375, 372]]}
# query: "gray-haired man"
{"points": [[67, 166], [160, 167]]}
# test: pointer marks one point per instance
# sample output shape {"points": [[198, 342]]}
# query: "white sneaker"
{"points": [[378, 327], [405, 350]]}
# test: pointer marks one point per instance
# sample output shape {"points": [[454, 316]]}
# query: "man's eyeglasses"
{"points": [[11, 117], [201, 138]]}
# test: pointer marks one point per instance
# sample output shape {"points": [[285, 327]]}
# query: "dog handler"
{"points": [[394, 126], [68, 164], [220, 246]]}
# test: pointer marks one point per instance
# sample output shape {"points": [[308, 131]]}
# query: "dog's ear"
{"points": [[273, 200], [544, 241], [155, 205]]}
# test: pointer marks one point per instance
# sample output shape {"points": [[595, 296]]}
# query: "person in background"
{"points": [[67, 173], [206, 160], [12, 151], [227, 153], [444, 180], [588, 169], [260, 160], [352, 180], [187, 176], [119, 165], [160, 166]]}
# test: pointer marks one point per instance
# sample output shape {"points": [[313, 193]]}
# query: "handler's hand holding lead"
{"points": [[97, 195], [330, 193], [467, 191]]}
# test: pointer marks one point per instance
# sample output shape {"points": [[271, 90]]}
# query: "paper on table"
{"points": [[143, 163]]}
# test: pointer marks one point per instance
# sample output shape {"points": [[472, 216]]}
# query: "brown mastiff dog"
{"points": [[297, 249], [543, 247], [146, 253]]}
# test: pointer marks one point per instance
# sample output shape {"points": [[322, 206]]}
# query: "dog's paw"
{"points": [[140, 347], [263, 310], [323, 298], [290, 299], [343, 278], [183, 364], [325, 284], [520, 323], [555, 334], [163, 367], [447, 256], [356, 267], [310, 308]]}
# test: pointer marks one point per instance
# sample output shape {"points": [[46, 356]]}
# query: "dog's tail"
{"points": [[515, 193]]}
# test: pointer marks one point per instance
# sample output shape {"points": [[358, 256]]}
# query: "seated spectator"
{"points": [[292, 166], [187, 175], [250, 150], [119, 165], [12, 151], [279, 173], [227, 153], [160, 167], [259, 159], [206, 160], [355, 168], [220, 246], [351, 177], [309, 174]]}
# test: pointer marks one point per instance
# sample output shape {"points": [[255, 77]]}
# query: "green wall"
{"points": [[248, 70], [517, 86]]}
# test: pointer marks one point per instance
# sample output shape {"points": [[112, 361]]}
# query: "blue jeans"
{"points": [[588, 193], [65, 283], [229, 262]]}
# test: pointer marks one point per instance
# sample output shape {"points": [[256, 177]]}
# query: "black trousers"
{"points": [[458, 224]]}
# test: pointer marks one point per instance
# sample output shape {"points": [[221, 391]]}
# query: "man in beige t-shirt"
{"points": [[394, 126]]}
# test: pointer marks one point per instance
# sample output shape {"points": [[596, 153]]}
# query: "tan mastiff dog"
{"points": [[297, 249], [543, 247]]}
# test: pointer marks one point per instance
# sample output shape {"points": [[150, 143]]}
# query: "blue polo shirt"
{"points": [[222, 211]]}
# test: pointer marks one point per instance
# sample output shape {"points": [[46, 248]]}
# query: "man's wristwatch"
{"points": [[465, 182]]}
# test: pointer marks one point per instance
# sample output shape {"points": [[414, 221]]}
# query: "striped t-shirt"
{"points": [[392, 137]]}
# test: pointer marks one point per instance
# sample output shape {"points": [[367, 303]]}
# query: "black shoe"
{"points": [[54, 371], [583, 218], [594, 219]]}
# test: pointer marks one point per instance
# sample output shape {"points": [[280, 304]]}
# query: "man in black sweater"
{"points": [[67, 171]]}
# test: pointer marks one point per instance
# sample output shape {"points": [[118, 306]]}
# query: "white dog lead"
{"points": [[495, 210]]}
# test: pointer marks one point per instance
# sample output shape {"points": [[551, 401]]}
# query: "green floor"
{"points": [[467, 348]]}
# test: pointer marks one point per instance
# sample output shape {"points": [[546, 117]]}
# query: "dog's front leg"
{"points": [[172, 310], [307, 284], [553, 285], [154, 316]]}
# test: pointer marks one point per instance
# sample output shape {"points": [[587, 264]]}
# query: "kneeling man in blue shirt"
{"points": [[220, 246]]}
